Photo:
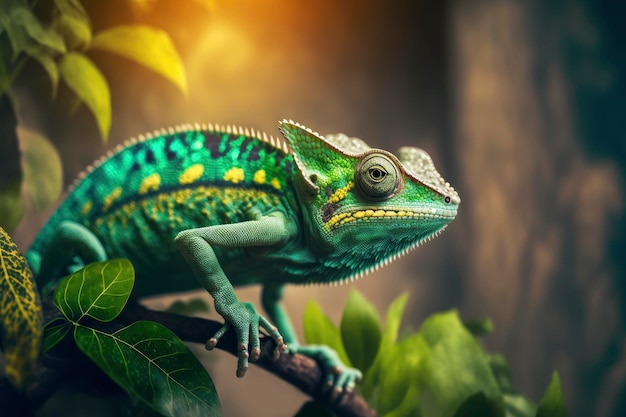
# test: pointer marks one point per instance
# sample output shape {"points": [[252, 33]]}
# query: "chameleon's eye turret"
{"points": [[377, 177]]}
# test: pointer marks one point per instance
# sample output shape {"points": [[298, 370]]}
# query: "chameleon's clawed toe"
{"points": [[242, 356], [255, 354], [241, 372], [280, 348], [210, 344]]}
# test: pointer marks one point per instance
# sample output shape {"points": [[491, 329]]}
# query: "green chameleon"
{"points": [[221, 207]]}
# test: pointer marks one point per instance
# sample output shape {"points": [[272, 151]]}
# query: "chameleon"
{"points": [[215, 207]]}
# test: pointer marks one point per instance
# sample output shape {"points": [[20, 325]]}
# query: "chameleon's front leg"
{"points": [[196, 245], [337, 375]]}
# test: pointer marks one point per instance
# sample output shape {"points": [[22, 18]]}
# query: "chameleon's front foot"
{"points": [[244, 319], [338, 376]]}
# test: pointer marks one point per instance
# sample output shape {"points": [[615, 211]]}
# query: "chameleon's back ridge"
{"points": [[219, 207], [155, 185]]}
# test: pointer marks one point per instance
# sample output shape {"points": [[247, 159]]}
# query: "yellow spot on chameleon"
{"points": [[259, 176], [110, 199], [234, 175], [340, 194], [150, 183], [86, 208], [275, 183], [191, 174]]}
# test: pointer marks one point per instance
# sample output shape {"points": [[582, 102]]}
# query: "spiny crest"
{"points": [[275, 142], [349, 145], [420, 166]]}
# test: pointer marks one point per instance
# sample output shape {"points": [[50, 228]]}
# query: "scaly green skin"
{"points": [[234, 208]]}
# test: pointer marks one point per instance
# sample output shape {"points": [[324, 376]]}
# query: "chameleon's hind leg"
{"points": [[338, 375], [72, 247]]}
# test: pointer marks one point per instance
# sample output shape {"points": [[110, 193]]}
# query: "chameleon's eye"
{"points": [[377, 177]]}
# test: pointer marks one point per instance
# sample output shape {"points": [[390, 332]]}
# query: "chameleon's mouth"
{"points": [[437, 215]]}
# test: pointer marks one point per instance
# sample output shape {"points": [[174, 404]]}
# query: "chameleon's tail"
{"points": [[34, 262]]}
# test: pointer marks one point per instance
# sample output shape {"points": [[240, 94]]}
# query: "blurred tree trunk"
{"points": [[539, 212]]}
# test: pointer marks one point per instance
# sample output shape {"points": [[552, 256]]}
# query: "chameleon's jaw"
{"points": [[384, 260], [439, 217]]}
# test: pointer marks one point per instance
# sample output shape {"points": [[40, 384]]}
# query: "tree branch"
{"points": [[298, 370], [302, 372]]}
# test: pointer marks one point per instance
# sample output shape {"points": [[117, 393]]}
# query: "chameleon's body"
{"points": [[243, 209]]}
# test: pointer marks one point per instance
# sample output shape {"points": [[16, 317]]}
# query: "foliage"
{"points": [[43, 172], [60, 45], [439, 371], [145, 358], [20, 318]]}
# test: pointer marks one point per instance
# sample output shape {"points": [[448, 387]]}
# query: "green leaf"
{"points": [[360, 330], [43, 171], [54, 332], [154, 365], [11, 203], [85, 79], [25, 30], [147, 46], [15, 34], [72, 8], [393, 321], [48, 64], [5, 77], [479, 327], [100, 290], [501, 372], [77, 33], [553, 404], [398, 374], [481, 405], [73, 23], [320, 330], [409, 406], [456, 367], [519, 406], [389, 337], [20, 322], [7, 6], [314, 409]]}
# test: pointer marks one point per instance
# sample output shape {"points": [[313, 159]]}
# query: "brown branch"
{"points": [[298, 370], [66, 361]]}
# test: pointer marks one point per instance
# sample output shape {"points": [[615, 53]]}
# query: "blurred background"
{"points": [[520, 104]]}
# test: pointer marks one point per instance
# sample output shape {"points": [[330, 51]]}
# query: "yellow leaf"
{"points": [[21, 327], [85, 79], [147, 46]]}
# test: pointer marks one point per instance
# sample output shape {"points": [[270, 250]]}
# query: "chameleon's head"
{"points": [[368, 199]]}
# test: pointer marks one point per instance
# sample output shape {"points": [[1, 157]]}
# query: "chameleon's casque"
{"points": [[213, 207]]}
